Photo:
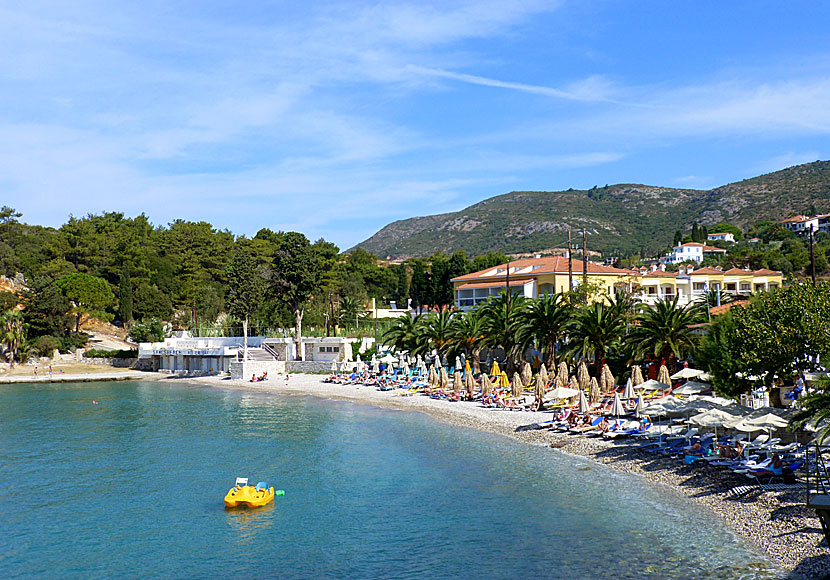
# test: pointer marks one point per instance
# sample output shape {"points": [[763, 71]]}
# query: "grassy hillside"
{"points": [[618, 218]]}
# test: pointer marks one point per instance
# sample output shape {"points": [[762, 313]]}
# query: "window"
{"points": [[329, 349], [652, 290], [745, 287], [545, 289]]}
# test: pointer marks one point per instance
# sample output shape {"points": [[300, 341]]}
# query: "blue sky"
{"points": [[336, 118]]}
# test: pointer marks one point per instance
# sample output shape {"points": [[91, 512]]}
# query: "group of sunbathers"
{"points": [[256, 379]]}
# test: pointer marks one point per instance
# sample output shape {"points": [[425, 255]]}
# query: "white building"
{"points": [[215, 354], [721, 236], [691, 251], [802, 223]]}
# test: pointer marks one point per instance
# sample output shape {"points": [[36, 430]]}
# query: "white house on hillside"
{"points": [[722, 236], [691, 251]]}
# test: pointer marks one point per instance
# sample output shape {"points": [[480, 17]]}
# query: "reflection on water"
{"points": [[136, 487]]}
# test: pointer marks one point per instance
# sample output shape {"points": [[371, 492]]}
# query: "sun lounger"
{"points": [[584, 429]]}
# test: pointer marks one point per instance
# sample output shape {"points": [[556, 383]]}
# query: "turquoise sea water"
{"points": [[133, 487]]}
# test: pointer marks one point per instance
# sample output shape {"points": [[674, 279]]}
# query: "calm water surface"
{"points": [[133, 487]]}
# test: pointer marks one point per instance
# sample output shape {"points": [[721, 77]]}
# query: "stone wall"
{"points": [[244, 370], [308, 366], [139, 364]]}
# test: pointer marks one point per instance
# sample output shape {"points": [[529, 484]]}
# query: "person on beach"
{"points": [[35, 370], [287, 376]]}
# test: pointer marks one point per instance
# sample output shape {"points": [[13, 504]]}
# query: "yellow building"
{"points": [[533, 277]]}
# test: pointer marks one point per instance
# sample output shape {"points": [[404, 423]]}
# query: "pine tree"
{"points": [[125, 296]]}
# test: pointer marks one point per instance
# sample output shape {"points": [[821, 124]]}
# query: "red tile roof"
{"points": [[491, 284], [715, 310], [738, 272], [765, 272], [707, 271], [549, 265]]}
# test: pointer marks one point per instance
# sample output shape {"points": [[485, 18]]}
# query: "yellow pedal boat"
{"points": [[243, 494]]}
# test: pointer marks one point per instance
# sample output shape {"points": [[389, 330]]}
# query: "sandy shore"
{"points": [[776, 521]]}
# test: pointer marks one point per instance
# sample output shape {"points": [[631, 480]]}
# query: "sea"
{"points": [[126, 480]]}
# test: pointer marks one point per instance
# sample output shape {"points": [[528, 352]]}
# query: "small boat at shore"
{"points": [[250, 496]]}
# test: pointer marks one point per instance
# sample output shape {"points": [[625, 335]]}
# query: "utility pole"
{"points": [[584, 257], [507, 288], [812, 258], [570, 264]]}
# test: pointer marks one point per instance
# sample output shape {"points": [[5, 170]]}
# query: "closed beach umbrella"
{"points": [[539, 388], [467, 369], [574, 384], [617, 407], [486, 385], [584, 407], [594, 393], [504, 382], [663, 375], [437, 362], [470, 383], [495, 371], [542, 377], [562, 374], [636, 375], [610, 381], [445, 379], [405, 368], [334, 366], [603, 387], [582, 376], [432, 377], [686, 373], [456, 381], [517, 387], [640, 407], [527, 373], [629, 390]]}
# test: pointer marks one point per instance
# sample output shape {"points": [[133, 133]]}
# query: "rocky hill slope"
{"points": [[618, 218]]}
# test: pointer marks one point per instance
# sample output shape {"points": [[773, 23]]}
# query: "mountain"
{"points": [[618, 218]]}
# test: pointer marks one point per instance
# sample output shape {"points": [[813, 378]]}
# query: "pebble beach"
{"points": [[778, 522]]}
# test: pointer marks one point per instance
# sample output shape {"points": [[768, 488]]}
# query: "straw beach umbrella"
{"points": [[594, 395], [486, 385], [527, 373], [582, 376], [542, 377], [636, 375], [445, 379], [432, 377], [574, 384], [518, 386], [456, 381], [610, 381], [539, 388], [603, 387], [470, 384], [663, 375], [562, 373]]}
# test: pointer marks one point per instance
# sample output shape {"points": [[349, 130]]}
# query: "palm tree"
{"points": [[500, 320], [814, 409], [545, 321], [715, 297], [12, 335], [351, 310], [405, 333], [665, 330], [467, 334], [437, 329], [598, 327]]}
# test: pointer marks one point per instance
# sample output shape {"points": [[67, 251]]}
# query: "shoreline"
{"points": [[777, 523]]}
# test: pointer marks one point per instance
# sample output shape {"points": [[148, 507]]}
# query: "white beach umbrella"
{"points": [[691, 388], [629, 390], [458, 364], [766, 422], [561, 393], [640, 407], [389, 359], [686, 373], [652, 385], [584, 407], [334, 366], [617, 407]]}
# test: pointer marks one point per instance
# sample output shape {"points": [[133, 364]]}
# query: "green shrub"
{"points": [[72, 341], [45, 346], [100, 353], [151, 331]]}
